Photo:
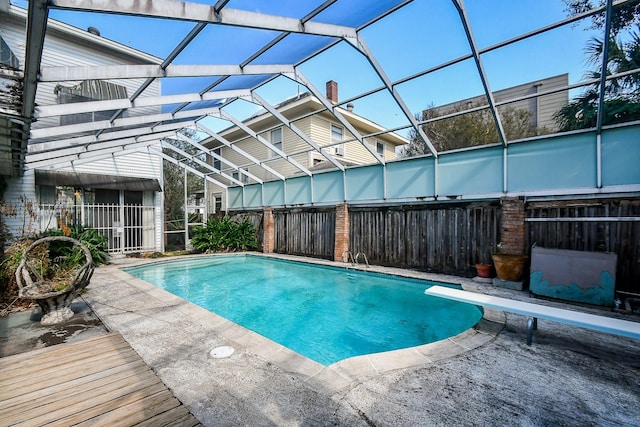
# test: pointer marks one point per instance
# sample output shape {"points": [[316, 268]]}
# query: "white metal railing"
{"points": [[129, 228]]}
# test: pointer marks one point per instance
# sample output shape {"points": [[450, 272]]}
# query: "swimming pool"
{"points": [[324, 313]]}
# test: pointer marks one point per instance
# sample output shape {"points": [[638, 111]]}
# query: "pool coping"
{"points": [[342, 373]]}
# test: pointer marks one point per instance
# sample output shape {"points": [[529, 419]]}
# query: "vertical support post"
{"points": [[186, 214], [505, 170], [532, 324], [342, 231], [83, 219], [599, 160], [205, 214], [268, 231]]}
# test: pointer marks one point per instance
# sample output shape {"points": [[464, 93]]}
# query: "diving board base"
{"points": [[508, 284], [536, 311]]}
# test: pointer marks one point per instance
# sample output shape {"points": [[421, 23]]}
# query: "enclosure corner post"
{"points": [[513, 231], [342, 231], [268, 241]]}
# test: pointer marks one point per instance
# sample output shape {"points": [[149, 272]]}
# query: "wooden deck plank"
{"points": [[99, 381], [179, 415], [135, 412], [71, 388], [112, 358], [43, 379], [187, 420], [49, 399], [89, 343], [73, 414], [54, 358]]}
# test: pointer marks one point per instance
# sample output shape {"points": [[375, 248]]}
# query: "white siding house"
{"points": [[120, 195]]}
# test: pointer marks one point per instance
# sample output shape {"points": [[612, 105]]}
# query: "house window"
{"points": [[337, 136], [217, 202], [276, 141], [240, 176], [216, 163], [88, 90], [380, 148], [7, 57]]}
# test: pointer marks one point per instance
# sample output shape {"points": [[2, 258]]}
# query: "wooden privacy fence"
{"points": [[591, 225], [309, 232], [452, 237], [447, 238]]}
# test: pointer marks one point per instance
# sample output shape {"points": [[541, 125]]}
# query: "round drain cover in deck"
{"points": [[221, 352]]}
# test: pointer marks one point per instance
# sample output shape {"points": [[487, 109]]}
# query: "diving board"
{"points": [[536, 311]]}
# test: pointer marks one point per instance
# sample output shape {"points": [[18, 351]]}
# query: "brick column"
{"points": [[342, 232], [513, 231], [268, 231]]}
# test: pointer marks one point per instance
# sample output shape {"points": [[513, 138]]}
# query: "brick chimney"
{"points": [[332, 91]]}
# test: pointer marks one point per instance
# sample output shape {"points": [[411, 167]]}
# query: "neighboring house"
{"points": [[118, 195], [322, 128], [541, 108]]}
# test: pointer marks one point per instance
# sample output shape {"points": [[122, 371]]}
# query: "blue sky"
{"points": [[419, 36]]}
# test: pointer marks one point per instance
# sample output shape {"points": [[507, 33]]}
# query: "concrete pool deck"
{"points": [[486, 376]]}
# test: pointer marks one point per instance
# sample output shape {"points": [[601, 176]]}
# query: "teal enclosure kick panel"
{"points": [[553, 163], [588, 277]]}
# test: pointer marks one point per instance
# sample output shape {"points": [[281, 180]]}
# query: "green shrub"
{"points": [[11, 260], [224, 235], [92, 239]]}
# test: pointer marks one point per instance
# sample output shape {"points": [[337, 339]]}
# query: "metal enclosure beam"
{"points": [[261, 140], [270, 108], [362, 47], [240, 151], [459, 4], [36, 29], [300, 78], [105, 72], [91, 153], [93, 158], [165, 144], [37, 146], [604, 66], [188, 11], [185, 166], [137, 121], [53, 110], [82, 149], [211, 153]]}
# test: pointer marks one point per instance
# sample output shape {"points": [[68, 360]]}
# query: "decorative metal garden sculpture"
{"points": [[53, 294]]}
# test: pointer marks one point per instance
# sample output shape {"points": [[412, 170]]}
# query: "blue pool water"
{"points": [[324, 313]]}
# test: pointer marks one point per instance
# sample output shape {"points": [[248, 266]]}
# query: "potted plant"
{"points": [[483, 270], [509, 266]]}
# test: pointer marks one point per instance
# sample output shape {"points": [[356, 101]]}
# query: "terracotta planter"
{"points": [[510, 267], [483, 270]]}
